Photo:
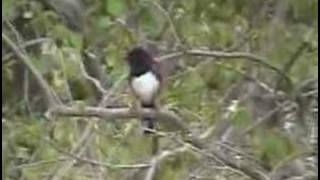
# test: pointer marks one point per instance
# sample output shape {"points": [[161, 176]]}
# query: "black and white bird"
{"points": [[145, 81]]}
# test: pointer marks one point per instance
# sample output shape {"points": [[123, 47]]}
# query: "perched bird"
{"points": [[145, 81]]}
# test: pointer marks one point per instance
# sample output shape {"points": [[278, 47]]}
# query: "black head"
{"points": [[140, 61]]}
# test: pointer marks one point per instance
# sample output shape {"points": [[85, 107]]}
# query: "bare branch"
{"points": [[216, 155], [228, 55], [167, 16], [115, 88], [194, 144], [98, 163], [38, 163], [108, 165], [6, 57], [94, 81], [50, 95], [265, 117], [121, 113], [290, 62], [155, 161]]}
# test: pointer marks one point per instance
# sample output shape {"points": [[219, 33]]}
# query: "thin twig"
{"points": [[92, 80], [290, 62], [291, 157], [79, 148], [6, 58], [155, 161], [19, 38], [115, 88], [225, 145], [98, 163], [265, 117], [166, 14], [38, 163], [216, 155]]}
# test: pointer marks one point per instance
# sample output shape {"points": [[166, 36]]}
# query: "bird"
{"points": [[145, 81]]}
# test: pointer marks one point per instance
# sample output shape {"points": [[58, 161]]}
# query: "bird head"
{"points": [[139, 61]]}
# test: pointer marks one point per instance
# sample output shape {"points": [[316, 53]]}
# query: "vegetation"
{"points": [[240, 97]]}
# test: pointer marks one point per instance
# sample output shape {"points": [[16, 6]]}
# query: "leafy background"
{"points": [[229, 95]]}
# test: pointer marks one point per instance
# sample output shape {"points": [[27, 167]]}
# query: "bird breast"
{"points": [[145, 86]]}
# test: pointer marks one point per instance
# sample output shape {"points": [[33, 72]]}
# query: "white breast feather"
{"points": [[145, 86]]}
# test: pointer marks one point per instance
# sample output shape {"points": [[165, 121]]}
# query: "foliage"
{"points": [[272, 29]]}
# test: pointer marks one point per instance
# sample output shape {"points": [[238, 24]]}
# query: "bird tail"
{"points": [[148, 121]]}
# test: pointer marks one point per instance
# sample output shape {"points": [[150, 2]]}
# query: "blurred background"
{"points": [[250, 93]]}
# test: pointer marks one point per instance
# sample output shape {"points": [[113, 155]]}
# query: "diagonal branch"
{"points": [[290, 62], [265, 118], [50, 95], [93, 80], [216, 155], [7, 57]]}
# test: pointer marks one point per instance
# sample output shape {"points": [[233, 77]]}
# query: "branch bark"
{"points": [[121, 113]]}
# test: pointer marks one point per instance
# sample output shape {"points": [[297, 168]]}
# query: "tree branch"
{"points": [[229, 55], [97, 163], [121, 113], [50, 95], [290, 62], [155, 161], [195, 144], [215, 155], [6, 58]]}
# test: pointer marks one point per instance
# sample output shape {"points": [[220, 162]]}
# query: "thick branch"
{"points": [[193, 144], [121, 113]]}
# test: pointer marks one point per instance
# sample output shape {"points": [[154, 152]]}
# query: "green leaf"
{"points": [[115, 7], [272, 146], [103, 22], [240, 116], [6, 7], [75, 40]]}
